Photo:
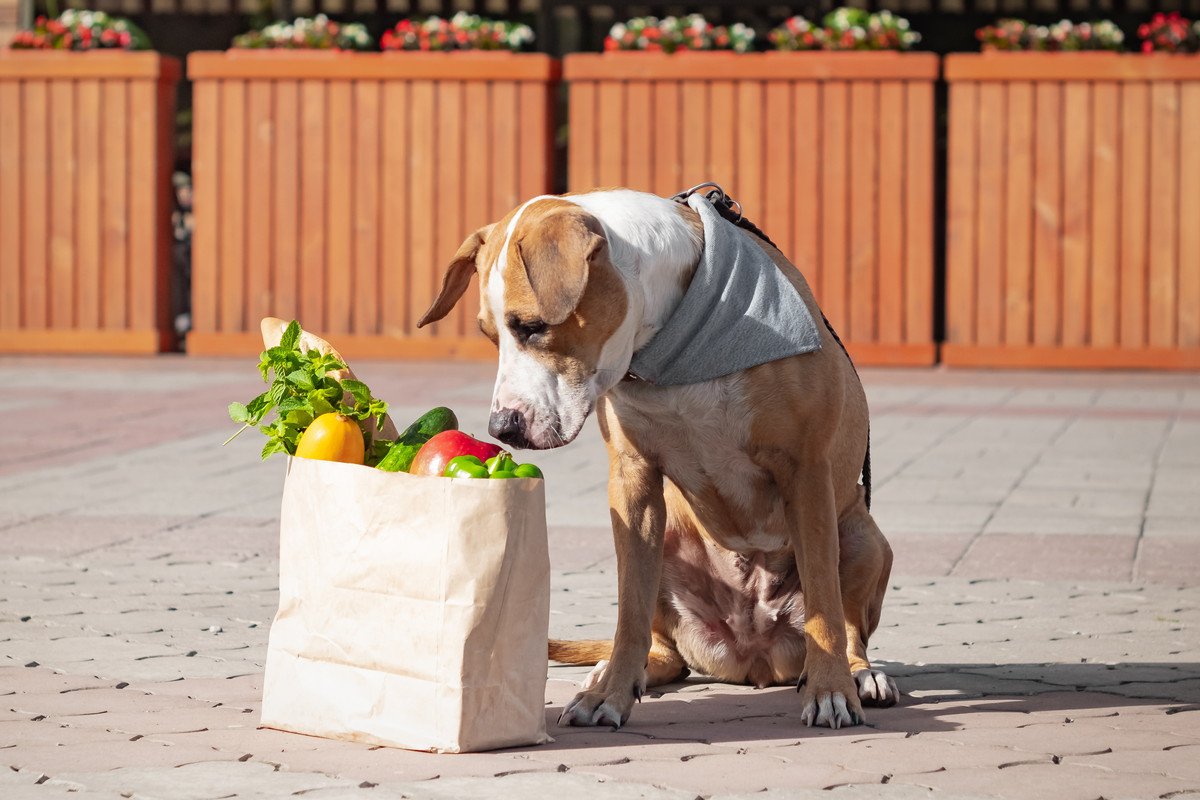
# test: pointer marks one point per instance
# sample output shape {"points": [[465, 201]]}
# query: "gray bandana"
{"points": [[739, 311]]}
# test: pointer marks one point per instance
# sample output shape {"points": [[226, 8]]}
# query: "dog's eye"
{"points": [[525, 330]]}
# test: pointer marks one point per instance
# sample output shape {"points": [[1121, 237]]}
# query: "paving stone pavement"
{"points": [[1042, 620]]}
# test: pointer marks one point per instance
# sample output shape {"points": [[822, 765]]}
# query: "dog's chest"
{"points": [[701, 436]]}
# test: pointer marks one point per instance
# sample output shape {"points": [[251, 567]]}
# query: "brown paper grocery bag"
{"points": [[413, 611]]}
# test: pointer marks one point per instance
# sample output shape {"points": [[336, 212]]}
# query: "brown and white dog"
{"points": [[745, 549]]}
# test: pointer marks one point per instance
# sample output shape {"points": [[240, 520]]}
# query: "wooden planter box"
{"points": [[86, 154], [1073, 231], [335, 187], [831, 154]]}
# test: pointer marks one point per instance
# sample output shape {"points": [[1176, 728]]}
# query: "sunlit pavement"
{"points": [[1042, 620]]}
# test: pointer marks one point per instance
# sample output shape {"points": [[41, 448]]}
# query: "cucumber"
{"points": [[431, 423], [400, 457]]}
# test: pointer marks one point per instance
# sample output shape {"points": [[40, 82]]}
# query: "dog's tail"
{"points": [[584, 653]]}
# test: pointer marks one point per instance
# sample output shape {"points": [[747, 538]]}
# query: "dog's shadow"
{"points": [[701, 710]]}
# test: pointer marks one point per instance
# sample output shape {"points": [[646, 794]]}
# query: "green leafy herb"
{"points": [[302, 389]]}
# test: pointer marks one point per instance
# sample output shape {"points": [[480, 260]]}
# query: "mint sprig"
{"points": [[302, 389]]}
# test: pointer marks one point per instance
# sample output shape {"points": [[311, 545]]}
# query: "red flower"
{"points": [[1147, 47]]}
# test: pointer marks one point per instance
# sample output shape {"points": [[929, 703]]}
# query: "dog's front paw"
{"points": [[876, 688], [604, 700], [829, 703]]}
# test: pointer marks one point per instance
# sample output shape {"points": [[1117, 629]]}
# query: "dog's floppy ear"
{"points": [[458, 276], [557, 257]]}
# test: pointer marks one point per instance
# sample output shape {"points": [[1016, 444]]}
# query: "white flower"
{"points": [[617, 31]]}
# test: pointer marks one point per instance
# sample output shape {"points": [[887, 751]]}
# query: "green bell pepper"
{"points": [[465, 467], [499, 463], [527, 471]]}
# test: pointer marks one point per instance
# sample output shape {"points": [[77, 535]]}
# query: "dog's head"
{"points": [[555, 306]]}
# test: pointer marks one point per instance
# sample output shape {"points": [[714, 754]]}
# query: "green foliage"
{"points": [[301, 389]]}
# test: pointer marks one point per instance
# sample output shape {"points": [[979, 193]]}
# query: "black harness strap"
{"points": [[724, 204]]}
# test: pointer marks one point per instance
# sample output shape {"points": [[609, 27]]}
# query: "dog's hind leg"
{"points": [[864, 567]]}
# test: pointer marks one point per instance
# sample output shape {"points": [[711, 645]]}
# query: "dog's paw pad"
{"points": [[830, 710], [588, 709], [876, 688]]}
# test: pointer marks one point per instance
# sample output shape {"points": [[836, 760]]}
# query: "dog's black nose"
{"points": [[508, 426]]}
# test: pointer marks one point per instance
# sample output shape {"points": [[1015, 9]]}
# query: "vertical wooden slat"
{"points": [[11, 205], [863, 272], [115, 259], [1164, 211], [1018, 216], [285, 196], [35, 110], [890, 304], [961, 202], [367, 133], [233, 209], [313, 165], [534, 139], [261, 139], [835, 177], [610, 157], [722, 139], [777, 164], [448, 224], [504, 148], [693, 98], [806, 186], [639, 117], [667, 144], [339, 276], [1189, 216], [424, 184], [1047, 229], [1077, 156], [397, 319], [1106, 188], [918, 214], [477, 177], [581, 167], [1135, 203], [751, 140], [63, 180], [989, 258], [87, 252], [144, 250], [206, 133]]}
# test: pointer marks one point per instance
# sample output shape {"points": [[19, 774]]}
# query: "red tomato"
{"points": [[435, 454]]}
